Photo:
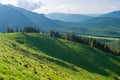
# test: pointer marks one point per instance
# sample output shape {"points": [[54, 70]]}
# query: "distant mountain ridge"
{"points": [[76, 18], [104, 25], [115, 14]]}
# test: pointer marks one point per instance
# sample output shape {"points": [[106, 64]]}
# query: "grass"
{"points": [[40, 57]]}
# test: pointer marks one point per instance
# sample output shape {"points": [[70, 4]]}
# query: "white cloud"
{"points": [[26, 4], [64, 8], [61, 8], [29, 4], [13, 2], [113, 7], [48, 6]]}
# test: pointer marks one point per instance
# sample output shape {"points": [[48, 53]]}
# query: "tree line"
{"points": [[27, 29], [85, 40]]}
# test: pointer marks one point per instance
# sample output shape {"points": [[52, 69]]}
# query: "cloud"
{"points": [[65, 8], [26, 4], [13, 2], [113, 7], [48, 6], [29, 4]]}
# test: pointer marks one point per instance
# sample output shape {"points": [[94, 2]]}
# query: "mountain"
{"points": [[94, 15], [39, 19], [41, 57], [68, 17], [115, 14], [11, 16], [106, 25], [103, 22]]}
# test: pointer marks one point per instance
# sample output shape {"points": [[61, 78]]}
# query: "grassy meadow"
{"points": [[32, 56]]}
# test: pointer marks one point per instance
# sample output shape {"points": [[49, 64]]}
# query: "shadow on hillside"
{"points": [[88, 59], [58, 62]]}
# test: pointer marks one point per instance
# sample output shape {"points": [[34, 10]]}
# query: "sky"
{"points": [[67, 6]]}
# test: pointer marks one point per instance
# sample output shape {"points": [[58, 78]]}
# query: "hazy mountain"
{"points": [[115, 14], [68, 17], [109, 24], [110, 20], [39, 19], [10, 17], [94, 15], [102, 25], [105, 25]]}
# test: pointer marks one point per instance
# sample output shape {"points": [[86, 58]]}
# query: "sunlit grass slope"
{"points": [[31, 56]]}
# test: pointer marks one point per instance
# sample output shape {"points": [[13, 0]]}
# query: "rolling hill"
{"points": [[37, 56]]}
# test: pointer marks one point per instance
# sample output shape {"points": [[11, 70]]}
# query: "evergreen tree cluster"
{"points": [[25, 29], [10, 30], [31, 30], [55, 34], [89, 41]]}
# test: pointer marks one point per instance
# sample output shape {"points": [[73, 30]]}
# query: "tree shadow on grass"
{"points": [[87, 58], [58, 62]]}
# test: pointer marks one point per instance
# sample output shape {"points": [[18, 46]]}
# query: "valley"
{"points": [[38, 42]]}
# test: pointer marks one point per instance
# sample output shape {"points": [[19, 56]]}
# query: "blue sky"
{"points": [[67, 6]]}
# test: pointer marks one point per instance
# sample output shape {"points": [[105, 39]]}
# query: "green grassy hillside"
{"points": [[39, 57]]}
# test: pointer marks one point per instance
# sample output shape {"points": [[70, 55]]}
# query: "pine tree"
{"points": [[17, 30]]}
